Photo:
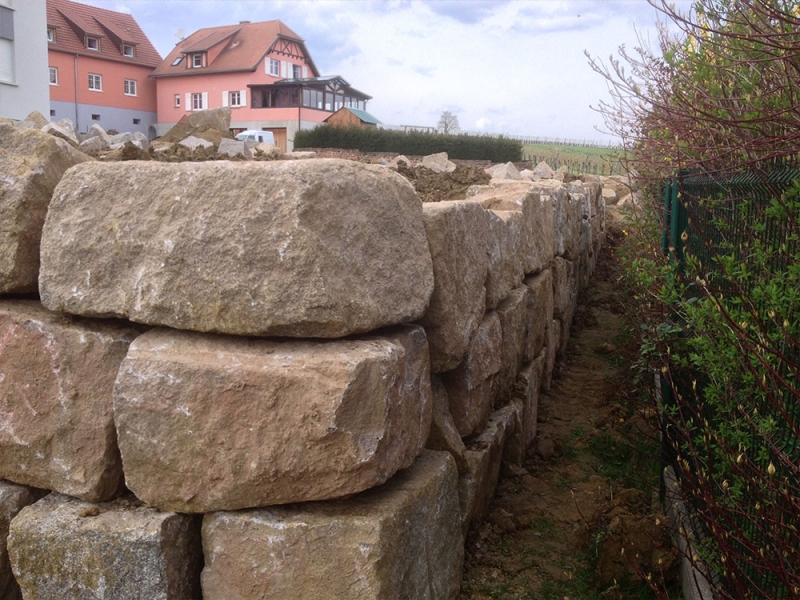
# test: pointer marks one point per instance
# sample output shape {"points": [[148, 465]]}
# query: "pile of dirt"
{"points": [[589, 487], [435, 187]]}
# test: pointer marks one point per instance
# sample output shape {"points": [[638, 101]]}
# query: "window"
{"points": [[92, 43], [51, 34], [95, 82], [177, 60], [197, 102], [235, 99], [95, 117], [130, 87], [52, 112], [177, 100], [297, 72], [274, 67], [6, 44], [53, 76], [197, 60], [127, 50], [137, 121]]}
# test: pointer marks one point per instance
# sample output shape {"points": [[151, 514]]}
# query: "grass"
{"points": [[579, 159]]}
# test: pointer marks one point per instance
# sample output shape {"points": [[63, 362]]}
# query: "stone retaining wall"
{"points": [[266, 380]]}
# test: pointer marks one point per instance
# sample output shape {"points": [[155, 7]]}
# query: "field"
{"points": [[579, 159]]}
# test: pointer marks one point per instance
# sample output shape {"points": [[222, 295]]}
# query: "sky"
{"points": [[513, 67]]}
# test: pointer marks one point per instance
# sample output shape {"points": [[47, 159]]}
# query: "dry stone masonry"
{"points": [[287, 379]]}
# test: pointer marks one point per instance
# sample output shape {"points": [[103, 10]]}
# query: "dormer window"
{"points": [[92, 43], [127, 50], [51, 34], [197, 61]]}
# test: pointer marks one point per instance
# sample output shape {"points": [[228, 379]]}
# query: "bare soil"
{"points": [[589, 488]]}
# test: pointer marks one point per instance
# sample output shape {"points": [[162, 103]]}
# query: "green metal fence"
{"points": [[712, 221]]}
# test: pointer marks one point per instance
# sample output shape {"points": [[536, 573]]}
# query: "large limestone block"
{"points": [[565, 287], [13, 498], [551, 352], [32, 163], [504, 245], [56, 383], [471, 387], [537, 241], [320, 248], [513, 315], [476, 486], [540, 312], [444, 433], [220, 423], [504, 171], [457, 235], [214, 118], [400, 540], [67, 549], [438, 163]]}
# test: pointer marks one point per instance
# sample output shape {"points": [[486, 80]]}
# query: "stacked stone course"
{"points": [[266, 380]]}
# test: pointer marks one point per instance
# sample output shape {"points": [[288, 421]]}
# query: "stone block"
{"points": [[56, 383], [504, 244], [221, 423], [470, 386], [551, 352], [13, 498], [527, 389], [513, 315], [32, 164], [444, 434], [438, 163], [540, 312], [400, 540], [504, 171], [323, 248], [565, 287], [233, 147], [484, 454], [63, 548], [457, 235]]}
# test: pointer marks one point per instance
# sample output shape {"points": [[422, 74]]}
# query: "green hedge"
{"points": [[414, 143]]}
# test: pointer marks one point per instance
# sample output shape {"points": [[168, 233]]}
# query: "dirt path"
{"points": [[590, 482]]}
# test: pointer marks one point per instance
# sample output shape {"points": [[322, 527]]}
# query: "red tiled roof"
{"points": [[72, 21], [246, 44]]}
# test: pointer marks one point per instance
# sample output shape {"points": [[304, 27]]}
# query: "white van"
{"points": [[256, 135]]}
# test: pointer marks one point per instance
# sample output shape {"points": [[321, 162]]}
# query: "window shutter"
{"points": [[188, 104], [205, 100], [243, 98], [224, 99], [305, 72], [285, 69]]}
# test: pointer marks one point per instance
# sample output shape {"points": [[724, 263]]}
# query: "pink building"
{"points": [[100, 63], [262, 71]]}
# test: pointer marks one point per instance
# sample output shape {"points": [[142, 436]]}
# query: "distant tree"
{"points": [[448, 123]]}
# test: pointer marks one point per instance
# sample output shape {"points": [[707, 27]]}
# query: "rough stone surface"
{"points": [[470, 387], [401, 540], [527, 390], [322, 248], [543, 171], [561, 218], [438, 163], [219, 423], [64, 548], [504, 171], [56, 424], [193, 142], [561, 173], [457, 235], [551, 353], [476, 487], [610, 196], [444, 434], [215, 118], [513, 315], [504, 246], [37, 119], [540, 312], [13, 498], [565, 287], [32, 164], [233, 147]]}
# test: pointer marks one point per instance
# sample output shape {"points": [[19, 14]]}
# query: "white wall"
{"points": [[25, 83]]}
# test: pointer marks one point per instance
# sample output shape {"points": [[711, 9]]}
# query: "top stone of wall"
{"points": [[322, 248]]}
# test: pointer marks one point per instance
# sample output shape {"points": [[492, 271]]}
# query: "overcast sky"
{"points": [[501, 66]]}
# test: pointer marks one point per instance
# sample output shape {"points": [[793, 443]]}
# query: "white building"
{"points": [[24, 80]]}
